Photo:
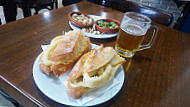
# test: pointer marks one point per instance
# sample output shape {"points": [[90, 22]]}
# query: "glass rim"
{"points": [[139, 14]]}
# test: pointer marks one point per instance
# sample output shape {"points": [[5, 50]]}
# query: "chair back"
{"points": [[26, 5], [156, 15], [41, 4]]}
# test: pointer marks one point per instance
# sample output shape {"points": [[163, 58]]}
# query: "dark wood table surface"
{"points": [[159, 76]]}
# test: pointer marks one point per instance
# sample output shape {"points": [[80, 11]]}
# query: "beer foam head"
{"points": [[133, 29]]}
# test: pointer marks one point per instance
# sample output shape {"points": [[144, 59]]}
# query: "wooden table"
{"points": [[159, 76]]}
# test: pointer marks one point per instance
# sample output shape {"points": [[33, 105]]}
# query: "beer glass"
{"points": [[132, 32]]}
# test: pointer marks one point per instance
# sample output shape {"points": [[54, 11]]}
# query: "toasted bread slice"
{"points": [[93, 70], [63, 52]]}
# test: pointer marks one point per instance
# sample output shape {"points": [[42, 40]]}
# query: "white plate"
{"points": [[52, 86], [95, 17]]}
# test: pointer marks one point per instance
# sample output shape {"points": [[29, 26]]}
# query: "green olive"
{"points": [[101, 21], [116, 26], [111, 27], [105, 24], [112, 23]]}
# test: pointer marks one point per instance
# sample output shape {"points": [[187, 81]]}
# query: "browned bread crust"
{"points": [[63, 52], [93, 70]]}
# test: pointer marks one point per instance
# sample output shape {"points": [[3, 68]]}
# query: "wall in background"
{"points": [[169, 6]]}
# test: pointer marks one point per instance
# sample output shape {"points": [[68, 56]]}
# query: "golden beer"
{"points": [[129, 39], [132, 32]]}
